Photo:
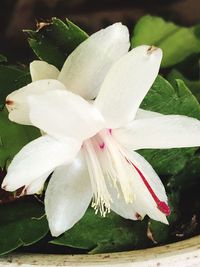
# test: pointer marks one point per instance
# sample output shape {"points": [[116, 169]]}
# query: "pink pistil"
{"points": [[161, 205], [102, 145], [110, 131]]}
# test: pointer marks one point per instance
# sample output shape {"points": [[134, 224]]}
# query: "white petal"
{"points": [[85, 69], [37, 158], [127, 83], [165, 131], [41, 70], [150, 196], [37, 185], [67, 196], [17, 101], [62, 113], [119, 205], [146, 114]]}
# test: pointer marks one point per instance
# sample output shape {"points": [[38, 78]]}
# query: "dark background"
{"points": [[91, 15]]}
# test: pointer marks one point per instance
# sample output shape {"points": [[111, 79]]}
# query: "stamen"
{"points": [[115, 169], [101, 198], [161, 205]]}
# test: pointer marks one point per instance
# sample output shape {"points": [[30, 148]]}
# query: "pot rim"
{"points": [[177, 254]]}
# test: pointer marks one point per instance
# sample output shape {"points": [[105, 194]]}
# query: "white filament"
{"points": [[101, 198]]}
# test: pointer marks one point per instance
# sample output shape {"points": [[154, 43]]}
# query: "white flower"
{"points": [[89, 145]]}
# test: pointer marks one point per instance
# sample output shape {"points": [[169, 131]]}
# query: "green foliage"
{"points": [[189, 176], [108, 234], [193, 85], [22, 223], [13, 137], [177, 42], [158, 232], [166, 99], [55, 41]]}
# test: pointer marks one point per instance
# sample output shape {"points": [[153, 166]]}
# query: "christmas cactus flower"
{"points": [[91, 126]]}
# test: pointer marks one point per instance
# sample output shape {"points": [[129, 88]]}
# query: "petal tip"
{"points": [[9, 102], [56, 231], [116, 25], [153, 50], [7, 187], [165, 221], [118, 29], [33, 62], [4, 186]]}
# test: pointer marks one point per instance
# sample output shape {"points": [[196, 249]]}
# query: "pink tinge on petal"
{"points": [[161, 205], [110, 131]]}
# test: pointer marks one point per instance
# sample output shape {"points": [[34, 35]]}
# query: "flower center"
{"points": [[107, 164]]}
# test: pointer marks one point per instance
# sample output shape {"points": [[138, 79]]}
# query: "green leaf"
{"points": [[46, 51], [189, 176], [3, 58], [168, 161], [55, 41], [193, 85], [108, 234], [176, 42], [67, 36], [11, 78], [22, 223], [13, 137], [166, 99], [158, 232]]}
